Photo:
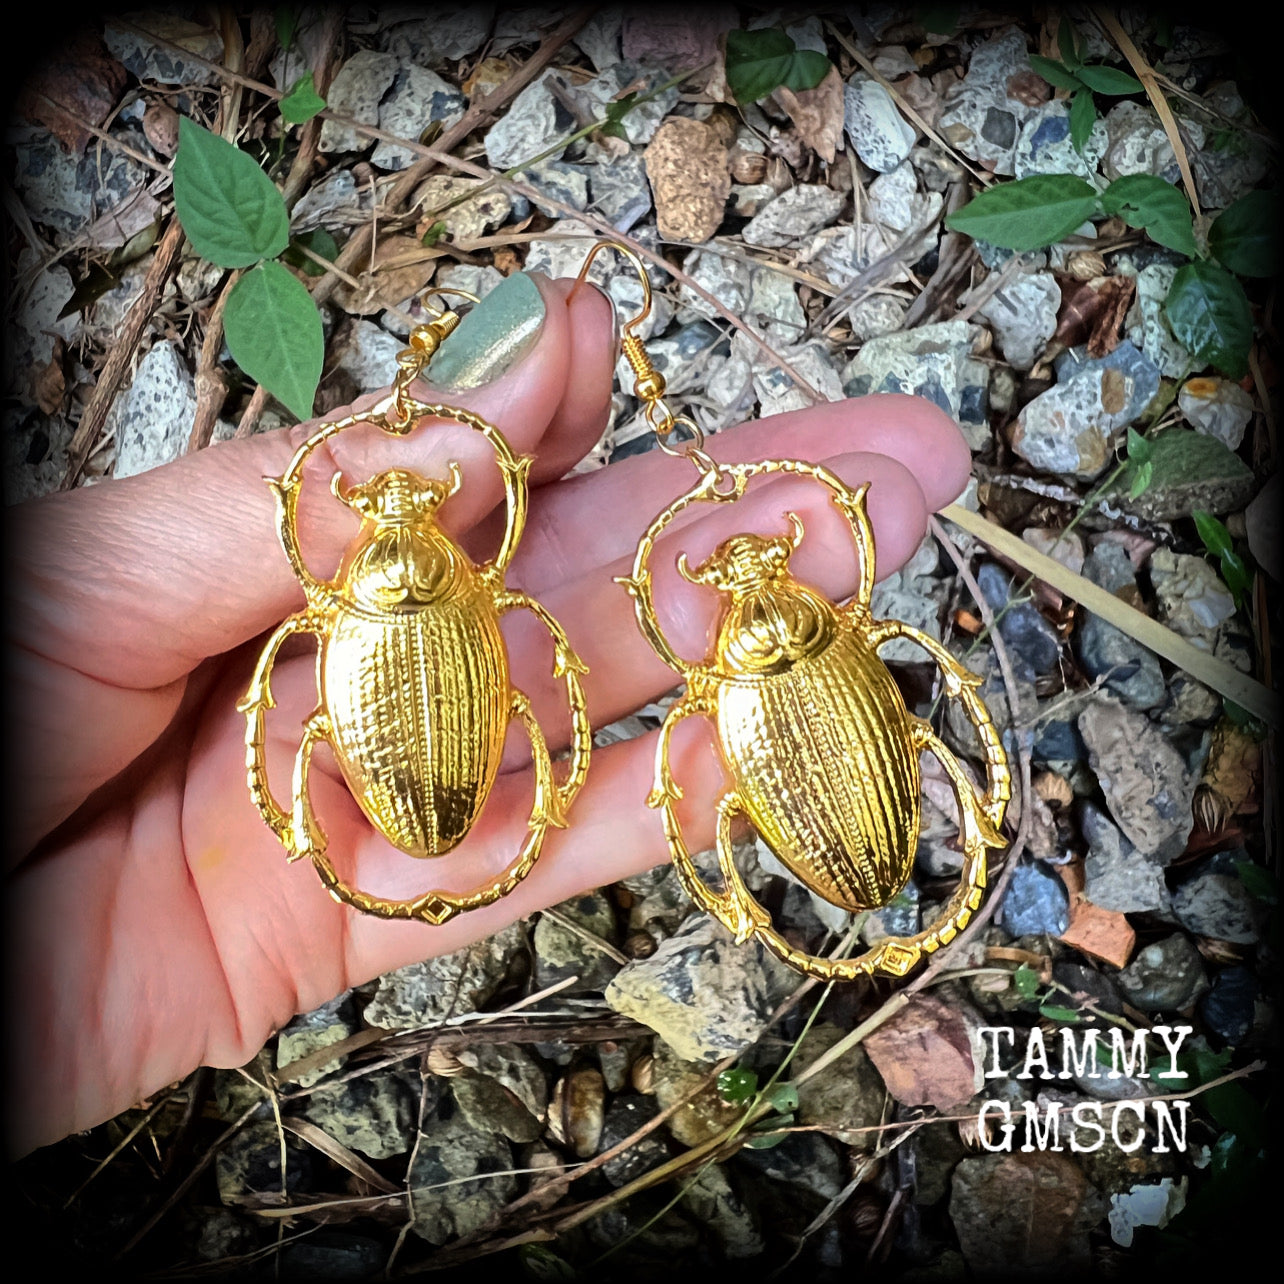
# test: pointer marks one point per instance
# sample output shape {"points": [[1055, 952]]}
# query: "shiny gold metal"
{"points": [[412, 672], [810, 726]]}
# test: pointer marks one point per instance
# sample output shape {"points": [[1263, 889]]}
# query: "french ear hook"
{"points": [[438, 290], [623, 250]]}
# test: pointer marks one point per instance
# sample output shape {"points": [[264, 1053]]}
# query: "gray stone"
{"points": [[642, 121], [312, 1031], [711, 1199], [1139, 145], [1116, 875], [1032, 641], [1023, 313], [1193, 599], [805, 1164], [164, 64], [701, 993], [250, 1164], [797, 212], [1071, 428], [510, 1065], [561, 953], [776, 389], [915, 596], [370, 355], [626, 1114], [1219, 906], [1044, 146], [978, 116], [470, 218], [449, 1149], [417, 98], [34, 324], [373, 1113], [1190, 471], [1218, 407], [876, 315], [774, 311], [1130, 670], [356, 92], [1143, 777], [428, 993], [444, 37], [152, 418], [933, 361], [560, 181], [746, 199], [599, 38], [1147, 323], [1036, 902], [879, 133], [489, 1106], [533, 122], [1166, 975], [846, 1099], [332, 1255], [620, 191], [1229, 1007], [728, 280], [696, 1110], [901, 916], [335, 202], [64, 191], [34, 453]]}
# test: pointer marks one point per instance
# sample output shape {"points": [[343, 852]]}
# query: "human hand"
{"points": [[154, 922]]}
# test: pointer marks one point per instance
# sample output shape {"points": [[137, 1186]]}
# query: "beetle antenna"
{"points": [[456, 478], [796, 522], [684, 569], [336, 488]]}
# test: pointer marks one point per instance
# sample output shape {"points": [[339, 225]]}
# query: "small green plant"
{"points": [[739, 1087], [1084, 79], [302, 102], [760, 62], [234, 216], [1217, 540], [1206, 305], [1141, 466]]}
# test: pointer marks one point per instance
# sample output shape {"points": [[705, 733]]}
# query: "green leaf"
{"points": [[286, 17], [759, 62], [1262, 884], [434, 233], [736, 1085], [1138, 447], [1209, 313], [1083, 115], [1054, 1012], [274, 334], [783, 1097], [1145, 201], [1245, 236], [617, 110], [1069, 44], [1239, 579], [1110, 80], [1141, 480], [302, 102], [1028, 214], [231, 211], [1054, 73], [768, 1140], [320, 242], [1216, 537], [1026, 980], [541, 1263], [938, 19]]}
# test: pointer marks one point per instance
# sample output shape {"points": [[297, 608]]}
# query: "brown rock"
{"points": [[690, 179], [924, 1054], [705, 1114], [1105, 934], [1020, 1214]]}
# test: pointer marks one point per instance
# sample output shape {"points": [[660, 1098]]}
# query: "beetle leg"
{"points": [[308, 837], [960, 685], [568, 666], [743, 916], [255, 704], [548, 808], [667, 790]]}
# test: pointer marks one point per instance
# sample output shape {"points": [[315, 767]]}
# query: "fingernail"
{"points": [[492, 338]]}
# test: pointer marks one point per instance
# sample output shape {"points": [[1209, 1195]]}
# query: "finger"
{"points": [[624, 673], [593, 519], [135, 581]]}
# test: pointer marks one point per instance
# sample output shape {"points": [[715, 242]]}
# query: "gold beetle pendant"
{"points": [[414, 692], [810, 726]]}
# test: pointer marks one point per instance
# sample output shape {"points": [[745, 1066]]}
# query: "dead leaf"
{"points": [[118, 227], [687, 166], [488, 76], [83, 81], [160, 126], [402, 267], [1093, 312], [49, 384], [1104, 934]]}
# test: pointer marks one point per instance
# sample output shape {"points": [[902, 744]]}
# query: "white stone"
{"points": [[1139, 144], [1147, 325], [1218, 408], [527, 128], [797, 212], [418, 98], [774, 311], [370, 355], [778, 393], [152, 418], [881, 135], [1023, 313], [356, 92]]}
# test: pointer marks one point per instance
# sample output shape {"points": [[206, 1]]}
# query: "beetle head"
{"points": [[397, 497], [743, 562]]}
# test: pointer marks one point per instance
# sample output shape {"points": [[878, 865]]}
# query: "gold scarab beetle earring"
{"points": [[810, 726], [414, 692]]}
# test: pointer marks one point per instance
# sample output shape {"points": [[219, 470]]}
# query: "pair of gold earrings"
{"points": [[415, 697]]}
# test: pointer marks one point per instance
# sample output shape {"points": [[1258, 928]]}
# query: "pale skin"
{"points": [[155, 924]]}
